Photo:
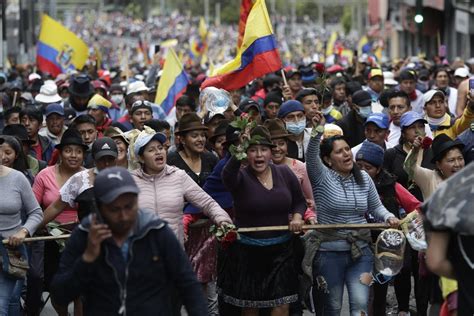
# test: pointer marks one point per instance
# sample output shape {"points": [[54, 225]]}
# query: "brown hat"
{"points": [[190, 122], [277, 129], [264, 135]]}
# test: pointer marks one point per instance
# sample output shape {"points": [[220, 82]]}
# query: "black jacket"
{"points": [[353, 127], [393, 163], [157, 267]]}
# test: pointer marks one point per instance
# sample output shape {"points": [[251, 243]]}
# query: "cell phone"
{"points": [[157, 48], [356, 52]]}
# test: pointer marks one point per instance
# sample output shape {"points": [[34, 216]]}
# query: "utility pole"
{"points": [[293, 16], [3, 37], [218, 13], [206, 11]]}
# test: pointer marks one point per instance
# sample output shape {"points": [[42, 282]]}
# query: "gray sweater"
{"points": [[341, 200], [16, 197]]}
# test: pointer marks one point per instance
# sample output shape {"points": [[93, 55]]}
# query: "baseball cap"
{"points": [[430, 94], [410, 117], [99, 102], [54, 108], [104, 146], [375, 72], [408, 74], [461, 72], [379, 119], [112, 182], [144, 138], [362, 98]]}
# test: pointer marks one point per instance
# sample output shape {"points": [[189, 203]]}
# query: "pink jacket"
{"points": [[167, 192]]}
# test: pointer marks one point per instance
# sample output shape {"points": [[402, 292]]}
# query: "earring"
{"points": [[329, 164]]}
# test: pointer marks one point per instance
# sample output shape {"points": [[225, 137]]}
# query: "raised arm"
{"points": [[317, 171], [231, 175]]}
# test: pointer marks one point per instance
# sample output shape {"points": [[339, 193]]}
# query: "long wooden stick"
{"points": [[42, 238], [246, 230], [317, 226]]}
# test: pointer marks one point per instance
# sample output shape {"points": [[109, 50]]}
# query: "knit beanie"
{"points": [[372, 153], [290, 106]]}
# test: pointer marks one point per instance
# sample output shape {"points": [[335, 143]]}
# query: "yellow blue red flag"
{"points": [[59, 49], [258, 54], [173, 82]]}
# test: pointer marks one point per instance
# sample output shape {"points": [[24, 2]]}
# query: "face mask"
{"points": [[296, 128], [117, 98], [365, 111], [327, 110]]}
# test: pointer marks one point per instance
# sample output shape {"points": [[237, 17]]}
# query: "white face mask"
{"points": [[117, 98]]}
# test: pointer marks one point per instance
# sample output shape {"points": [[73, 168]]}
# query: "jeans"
{"points": [[10, 290], [332, 270]]}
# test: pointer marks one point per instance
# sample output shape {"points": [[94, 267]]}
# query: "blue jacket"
{"points": [[156, 270]]}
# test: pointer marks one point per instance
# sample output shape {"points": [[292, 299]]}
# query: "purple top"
{"points": [[255, 205]]}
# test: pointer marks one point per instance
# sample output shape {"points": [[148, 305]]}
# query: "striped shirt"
{"points": [[341, 200]]}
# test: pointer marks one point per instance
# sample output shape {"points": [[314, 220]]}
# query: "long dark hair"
{"points": [[326, 148], [20, 163]]}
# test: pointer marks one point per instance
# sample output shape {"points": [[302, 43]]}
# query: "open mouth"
{"points": [[159, 160], [347, 161], [259, 163]]}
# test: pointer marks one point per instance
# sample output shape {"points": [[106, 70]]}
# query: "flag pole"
{"points": [[284, 77]]}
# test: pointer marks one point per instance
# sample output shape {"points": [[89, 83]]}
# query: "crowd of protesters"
{"points": [[91, 153]]}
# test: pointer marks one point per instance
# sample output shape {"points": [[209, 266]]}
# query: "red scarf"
{"points": [[413, 96]]}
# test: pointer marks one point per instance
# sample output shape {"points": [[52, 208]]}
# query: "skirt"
{"points": [[201, 249], [258, 276]]}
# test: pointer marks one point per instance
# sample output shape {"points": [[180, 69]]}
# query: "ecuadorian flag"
{"points": [[257, 56], [59, 49], [173, 82]]}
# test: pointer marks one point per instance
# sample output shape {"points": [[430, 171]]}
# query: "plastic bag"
{"points": [[412, 227]]}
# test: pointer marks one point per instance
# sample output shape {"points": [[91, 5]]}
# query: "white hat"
{"points": [[136, 86], [430, 94], [461, 72], [332, 130], [389, 78], [48, 94], [33, 76]]}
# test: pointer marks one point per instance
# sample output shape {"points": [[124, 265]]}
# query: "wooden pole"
{"points": [[42, 238], [317, 227], [247, 230], [284, 77]]}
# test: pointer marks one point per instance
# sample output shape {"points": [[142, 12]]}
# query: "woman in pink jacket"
{"points": [[164, 189]]}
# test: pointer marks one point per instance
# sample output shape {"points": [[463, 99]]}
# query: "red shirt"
{"points": [[38, 150]]}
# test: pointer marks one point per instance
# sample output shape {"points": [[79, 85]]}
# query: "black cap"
{"points": [[246, 105], [112, 182], [408, 74], [104, 146], [362, 98]]}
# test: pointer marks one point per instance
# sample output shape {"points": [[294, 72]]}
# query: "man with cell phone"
{"points": [[125, 260]]}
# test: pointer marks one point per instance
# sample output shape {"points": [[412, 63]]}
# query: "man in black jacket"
{"points": [[352, 123], [124, 260]]}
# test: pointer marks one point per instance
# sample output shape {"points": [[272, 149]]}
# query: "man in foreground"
{"points": [[124, 260]]}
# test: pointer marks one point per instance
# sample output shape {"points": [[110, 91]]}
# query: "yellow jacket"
{"points": [[459, 126]]}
